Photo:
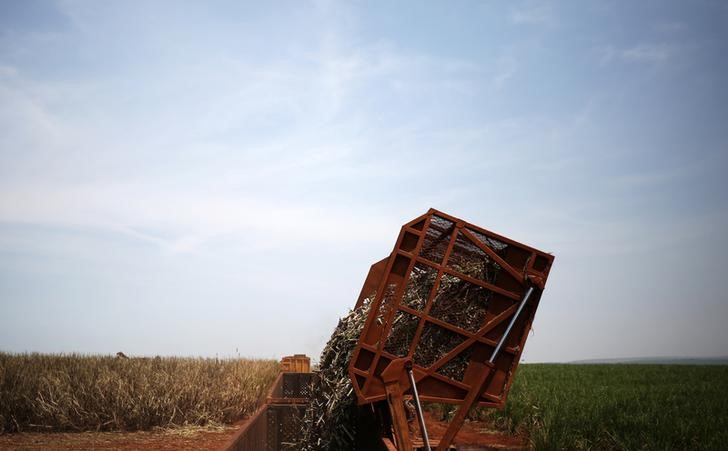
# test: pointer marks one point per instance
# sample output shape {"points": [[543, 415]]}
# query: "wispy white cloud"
{"points": [[652, 178], [533, 13], [670, 27], [299, 125], [8, 71], [505, 69], [189, 218], [646, 53]]}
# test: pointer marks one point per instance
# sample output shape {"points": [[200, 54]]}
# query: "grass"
{"points": [[102, 393], [617, 406]]}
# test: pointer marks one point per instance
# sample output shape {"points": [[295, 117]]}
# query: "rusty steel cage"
{"points": [[437, 249]]}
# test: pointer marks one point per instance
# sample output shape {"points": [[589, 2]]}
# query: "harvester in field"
{"points": [[444, 318]]}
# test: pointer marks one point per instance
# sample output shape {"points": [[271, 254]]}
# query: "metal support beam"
{"points": [[418, 405]]}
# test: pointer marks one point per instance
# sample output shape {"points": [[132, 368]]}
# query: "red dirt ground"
{"points": [[473, 436], [166, 440]]}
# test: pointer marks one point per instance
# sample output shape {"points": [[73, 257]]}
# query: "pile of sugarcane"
{"points": [[329, 423]]}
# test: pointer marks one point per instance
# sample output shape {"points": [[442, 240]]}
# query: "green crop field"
{"points": [[82, 393], [618, 406]]}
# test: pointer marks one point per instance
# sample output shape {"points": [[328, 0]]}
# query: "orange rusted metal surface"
{"points": [[477, 362], [376, 273], [297, 363]]}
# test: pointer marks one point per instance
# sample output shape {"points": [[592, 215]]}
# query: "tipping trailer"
{"points": [[449, 311]]}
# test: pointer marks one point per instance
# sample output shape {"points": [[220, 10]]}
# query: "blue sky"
{"points": [[188, 178]]}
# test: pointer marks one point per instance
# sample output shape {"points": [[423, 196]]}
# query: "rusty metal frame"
{"points": [[273, 426], [521, 267]]}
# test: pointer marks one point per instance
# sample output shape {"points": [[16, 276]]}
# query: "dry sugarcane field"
{"points": [[40, 392]]}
